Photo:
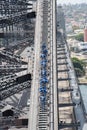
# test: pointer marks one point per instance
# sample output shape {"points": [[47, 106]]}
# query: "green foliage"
{"points": [[80, 61], [80, 37], [79, 67], [79, 72]]}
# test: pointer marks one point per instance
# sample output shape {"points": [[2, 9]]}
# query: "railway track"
{"points": [[68, 93]]}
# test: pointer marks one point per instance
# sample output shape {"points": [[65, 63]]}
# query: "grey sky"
{"points": [[71, 1]]}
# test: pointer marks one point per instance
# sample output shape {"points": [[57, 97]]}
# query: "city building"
{"points": [[82, 46]]}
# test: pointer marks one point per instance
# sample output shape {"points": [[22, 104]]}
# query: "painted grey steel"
{"points": [[47, 119]]}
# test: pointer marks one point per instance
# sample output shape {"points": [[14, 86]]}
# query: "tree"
{"points": [[79, 67], [79, 72], [80, 37]]}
